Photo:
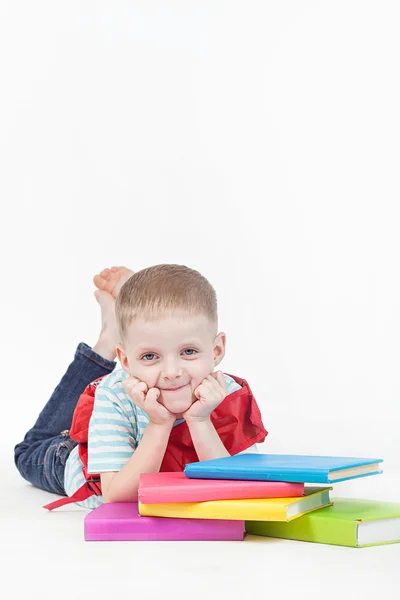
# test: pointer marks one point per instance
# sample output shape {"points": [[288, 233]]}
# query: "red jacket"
{"points": [[237, 421]]}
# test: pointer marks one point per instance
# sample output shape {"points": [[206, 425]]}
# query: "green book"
{"points": [[348, 522]]}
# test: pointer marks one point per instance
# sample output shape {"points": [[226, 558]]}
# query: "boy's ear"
{"points": [[122, 357], [219, 348]]}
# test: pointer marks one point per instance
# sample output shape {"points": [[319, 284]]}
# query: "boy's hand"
{"points": [[210, 393], [147, 400]]}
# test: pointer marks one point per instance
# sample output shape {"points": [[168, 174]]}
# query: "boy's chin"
{"points": [[176, 403]]}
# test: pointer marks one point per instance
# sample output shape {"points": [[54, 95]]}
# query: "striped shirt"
{"points": [[116, 427]]}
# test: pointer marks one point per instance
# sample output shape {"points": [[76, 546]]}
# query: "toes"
{"points": [[106, 280], [111, 280], [106, 274], [99, 282]]}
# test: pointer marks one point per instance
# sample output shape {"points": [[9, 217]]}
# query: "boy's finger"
{"points": [[197, 392], [222, 380], [213, 382], [209, 382], [140, 386], [153, 394], [219, 377], [130, 382], [217, 374]]}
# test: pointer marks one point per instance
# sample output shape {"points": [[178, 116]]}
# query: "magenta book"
{"points": [[120, 521]]}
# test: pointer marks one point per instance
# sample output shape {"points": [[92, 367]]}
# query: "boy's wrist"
{"points": [[206, 440], [198, 422], [161, 426]]}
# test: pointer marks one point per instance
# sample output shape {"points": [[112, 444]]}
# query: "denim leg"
{"points": [[43, 463], [41, 456]]}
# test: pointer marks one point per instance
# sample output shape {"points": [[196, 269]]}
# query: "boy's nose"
{"points": [[172, 373]]}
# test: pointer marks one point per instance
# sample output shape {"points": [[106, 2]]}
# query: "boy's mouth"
{"points": [[174, 389]]}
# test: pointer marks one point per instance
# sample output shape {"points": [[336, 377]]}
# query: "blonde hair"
{"points": [[155, 290]]}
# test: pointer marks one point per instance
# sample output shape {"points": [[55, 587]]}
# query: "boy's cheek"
{"points": [[196, 376]]}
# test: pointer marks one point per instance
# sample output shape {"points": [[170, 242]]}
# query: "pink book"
{"points": [[120, 521], [159, 488]]}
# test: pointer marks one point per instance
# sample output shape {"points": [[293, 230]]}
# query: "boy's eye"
{"points": [[151, 354]]}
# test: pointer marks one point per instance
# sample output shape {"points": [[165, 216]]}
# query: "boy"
{"points": [[163, 328]]}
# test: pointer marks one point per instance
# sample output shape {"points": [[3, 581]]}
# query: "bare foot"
{"points": [[109, 283], [112, 280], [108, 337]]}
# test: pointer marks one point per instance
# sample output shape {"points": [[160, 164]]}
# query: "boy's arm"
{"points": [[206, 441], [113, 445], [122, 486], [210, 393]]}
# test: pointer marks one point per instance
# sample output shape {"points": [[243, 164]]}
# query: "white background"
{"points": [[257, 142]]}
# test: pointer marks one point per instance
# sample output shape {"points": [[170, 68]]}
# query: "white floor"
{"points": [[44, 555]]}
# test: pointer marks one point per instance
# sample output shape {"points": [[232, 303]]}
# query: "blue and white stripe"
{"points": [[115, 430]]}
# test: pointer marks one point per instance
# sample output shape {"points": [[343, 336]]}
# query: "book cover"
{"points": [[271, 509], [120, 521], [285, 467], [159, 488], [348, 522]]}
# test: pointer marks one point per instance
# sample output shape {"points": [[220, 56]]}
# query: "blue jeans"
{"points": [[41, 457]]}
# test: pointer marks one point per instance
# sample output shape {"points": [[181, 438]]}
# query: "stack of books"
{"points": [[262, 494]]}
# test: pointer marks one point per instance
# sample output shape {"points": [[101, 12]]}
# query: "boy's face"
{"points": [[176, 351]]}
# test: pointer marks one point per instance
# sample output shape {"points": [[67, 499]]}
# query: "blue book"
{"points": [[285, 467]]}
